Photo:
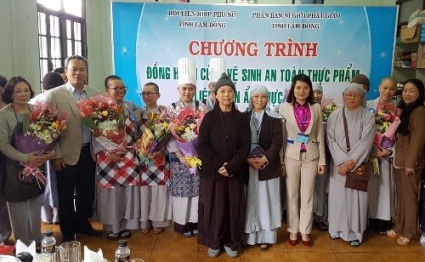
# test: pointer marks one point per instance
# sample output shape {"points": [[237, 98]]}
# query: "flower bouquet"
{"points": [[185, 131], [387, 122], [328, 106], [40, 131], [154, 136], [104, 117]]}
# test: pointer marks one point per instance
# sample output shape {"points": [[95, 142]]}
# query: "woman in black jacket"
{"points": [[263, 214]]}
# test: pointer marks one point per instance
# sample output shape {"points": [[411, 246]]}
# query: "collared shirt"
{"points": [[86, 134], [303, 117]]}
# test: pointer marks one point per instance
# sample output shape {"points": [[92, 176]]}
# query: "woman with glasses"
{"points": [[118, 194], [154, 202], [350, 145]]}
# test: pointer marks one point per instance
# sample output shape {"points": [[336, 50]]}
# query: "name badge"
{"points": [[302, 138]]}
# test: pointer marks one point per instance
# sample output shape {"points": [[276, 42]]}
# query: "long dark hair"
{"points": [[303, 78], [403, 128]]}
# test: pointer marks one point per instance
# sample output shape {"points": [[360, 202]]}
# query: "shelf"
{"points": [[399, 43]]}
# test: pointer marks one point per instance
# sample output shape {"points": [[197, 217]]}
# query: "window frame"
{"points": [[63, 17]]}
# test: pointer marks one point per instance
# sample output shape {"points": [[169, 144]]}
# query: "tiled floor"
{"points": [[170, 246]]}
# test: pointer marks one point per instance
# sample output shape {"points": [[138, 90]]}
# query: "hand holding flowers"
{"points": [[103, 116], [154, 137], [106, 120], [386, 121], [40, 131], [185, 130]]}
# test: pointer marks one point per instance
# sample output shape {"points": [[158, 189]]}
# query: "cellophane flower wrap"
{"points": [[328, 106], [185, 130], [386, 122], [103, 115], [41, 130], [155, 136]]}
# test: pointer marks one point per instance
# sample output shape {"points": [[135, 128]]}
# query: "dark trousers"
{"points": [[5, 228], [78, 179]]}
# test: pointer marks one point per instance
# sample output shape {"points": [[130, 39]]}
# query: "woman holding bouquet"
{"points": [[224, 144], [154, 176], [304, 156], [118, 195], [184, 184], [263, 215], [22, 194], [381, 186], [409, 160]]}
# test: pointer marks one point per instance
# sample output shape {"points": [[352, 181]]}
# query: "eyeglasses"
{"points": [[147, 93], [117, 89]]}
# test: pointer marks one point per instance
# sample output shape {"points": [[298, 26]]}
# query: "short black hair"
{"points": [[76, 57], [155, 86], [3, 81], [303, 78], [10, 88], [60, 70], [111, 77]]}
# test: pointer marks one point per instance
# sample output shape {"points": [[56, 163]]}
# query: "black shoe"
{"points": [[90, 232], [93, 232], [321, 225], [67, 238], [112, 236], [124, 234]]}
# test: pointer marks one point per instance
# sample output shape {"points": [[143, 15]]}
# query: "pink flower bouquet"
{"points": [[185, 131], [387, 122], [40, 132]]}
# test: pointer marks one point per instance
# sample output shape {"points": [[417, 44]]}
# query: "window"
{"points": [[61, 32]]}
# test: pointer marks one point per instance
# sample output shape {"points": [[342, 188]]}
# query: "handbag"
{"points": [[358, 178], [12, 187]]}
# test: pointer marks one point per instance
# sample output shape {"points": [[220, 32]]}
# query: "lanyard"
{"points": [[254, 121]]}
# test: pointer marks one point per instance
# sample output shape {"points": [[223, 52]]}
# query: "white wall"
{"points": [[19, 33], [19, 53]]}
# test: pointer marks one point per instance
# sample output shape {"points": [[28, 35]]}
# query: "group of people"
{"points": [[247, 159]]}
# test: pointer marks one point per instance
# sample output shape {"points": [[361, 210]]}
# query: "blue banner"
{"points": [[261, 45]]}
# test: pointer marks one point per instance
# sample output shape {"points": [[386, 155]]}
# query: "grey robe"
{"points": [[348, 207], [381, 188]]}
